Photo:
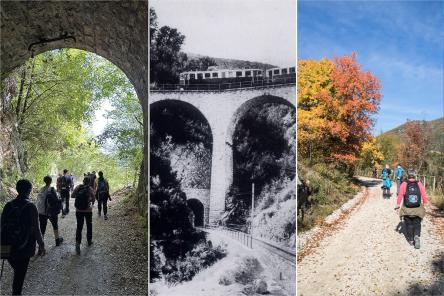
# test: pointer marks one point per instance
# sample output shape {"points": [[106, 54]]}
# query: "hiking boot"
{"points": [[90, 244], [106, 217], [59, 241], [417, 242], [77, 248]]}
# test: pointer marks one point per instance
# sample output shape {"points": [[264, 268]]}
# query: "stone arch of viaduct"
{"points": [[115, 30], [222, 110]]}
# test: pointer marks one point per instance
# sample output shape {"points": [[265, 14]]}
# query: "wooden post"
{"points": [[434, 183], [252, 209], [424, 181]]}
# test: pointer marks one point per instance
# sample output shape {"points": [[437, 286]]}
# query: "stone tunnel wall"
{"points": [[203, 195], [115, 30]]}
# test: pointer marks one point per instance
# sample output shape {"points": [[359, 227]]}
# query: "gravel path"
{"points": [[366, 255], [116, 264]]}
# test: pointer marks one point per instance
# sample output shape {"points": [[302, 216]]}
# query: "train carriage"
{"points": [[234, 78], [276, 74], [220, 76]]}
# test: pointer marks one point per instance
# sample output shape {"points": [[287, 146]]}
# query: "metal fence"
{"points": [[435, 183], [216, 87], [242, 237]]}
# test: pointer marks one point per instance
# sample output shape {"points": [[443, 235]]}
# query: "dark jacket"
{"points": [[30, 220], [90, 197], [103, 194]]}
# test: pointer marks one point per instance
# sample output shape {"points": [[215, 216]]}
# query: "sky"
{"points": [[254, 30], [400, 42]]}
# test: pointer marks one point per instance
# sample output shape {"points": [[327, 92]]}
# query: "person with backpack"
{"points": [[413, 196], [386, 181], [49, 206], [84, 198], [93, 177], [19, 233], [398, 175], [102, 195], [64, 184]]}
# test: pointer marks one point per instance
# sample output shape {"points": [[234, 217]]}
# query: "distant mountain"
{"points": [[436, 128], [233, 63]]}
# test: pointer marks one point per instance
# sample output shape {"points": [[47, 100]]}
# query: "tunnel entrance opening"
{"points": [[55, 105], [198, 211]]}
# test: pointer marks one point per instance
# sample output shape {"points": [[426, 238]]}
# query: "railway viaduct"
{"points": [[222, 110]]}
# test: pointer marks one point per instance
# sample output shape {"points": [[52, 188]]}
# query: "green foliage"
{"points": [[55, 97], [330, 188]]}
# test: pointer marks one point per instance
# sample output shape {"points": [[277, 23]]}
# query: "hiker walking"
{"points": [[386, 181], [84, 198], [49, 206], [19, 233], [398, 175], [64, 185], [93, 177], [413, 196], [102, 195]]}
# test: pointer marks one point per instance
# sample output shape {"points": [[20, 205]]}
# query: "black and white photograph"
{"points": [[222, 108]]}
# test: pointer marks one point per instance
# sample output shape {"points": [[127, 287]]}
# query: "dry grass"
{"points": [[437, 199]]}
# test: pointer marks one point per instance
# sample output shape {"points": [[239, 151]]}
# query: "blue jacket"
{"points": [[398, 173]]}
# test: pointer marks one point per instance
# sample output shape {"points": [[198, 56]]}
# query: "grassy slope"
{"points": [[436, 127], [275, 219], [330, 189]]}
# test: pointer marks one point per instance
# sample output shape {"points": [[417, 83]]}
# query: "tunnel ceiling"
{"points": [[115, 30]]}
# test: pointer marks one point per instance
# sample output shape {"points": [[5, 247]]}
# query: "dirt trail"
{"points": [[116, 264], [368, 256]]}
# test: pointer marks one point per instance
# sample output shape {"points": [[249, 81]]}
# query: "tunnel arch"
{"points": [[194, 166], [246, 106], [198, 210], [114, 30]]}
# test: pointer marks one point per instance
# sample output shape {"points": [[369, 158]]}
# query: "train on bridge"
{"points": [[235, 78]]}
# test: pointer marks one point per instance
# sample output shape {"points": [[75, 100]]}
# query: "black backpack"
{"points": [[14, 234], [64, 183], [412, 196], [101, 186], [82, 198], [53, 203]]}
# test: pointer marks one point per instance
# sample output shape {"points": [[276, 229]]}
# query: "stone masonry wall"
{"points": [[222, 111]]}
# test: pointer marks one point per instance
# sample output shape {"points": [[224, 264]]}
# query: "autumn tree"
{"points": [[413, 150], [336, 101], [371, 154]]}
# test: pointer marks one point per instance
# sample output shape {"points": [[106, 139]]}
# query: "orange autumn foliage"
{"points": [[336, 101], [413, 151]]}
